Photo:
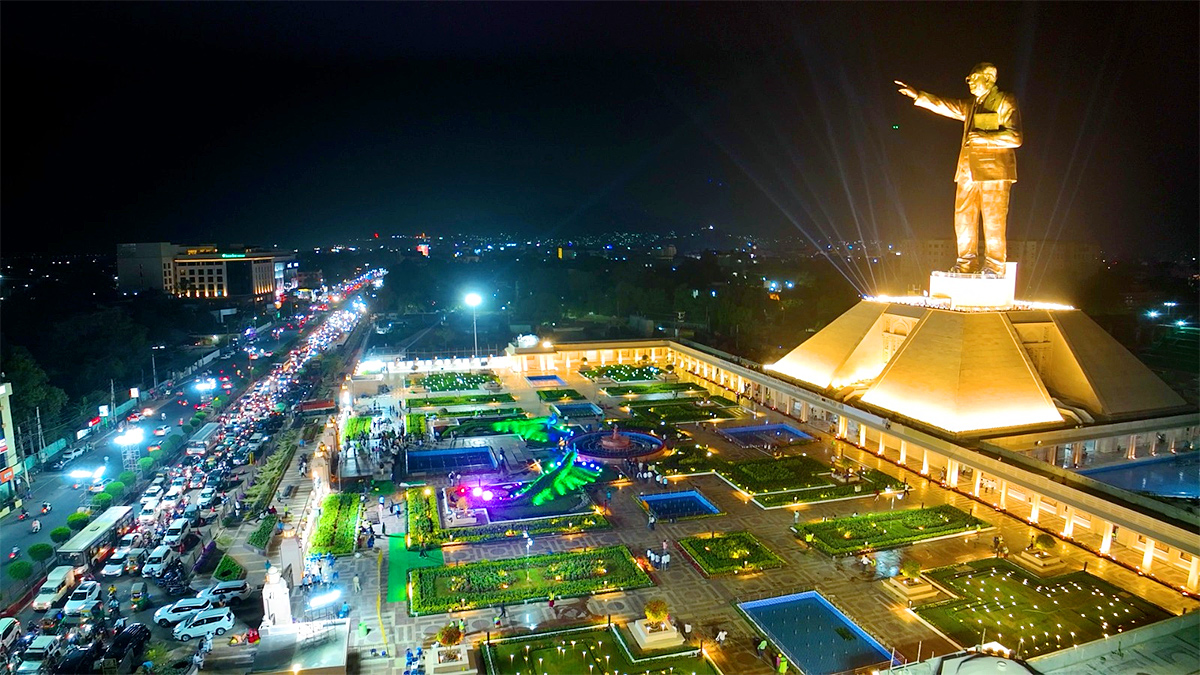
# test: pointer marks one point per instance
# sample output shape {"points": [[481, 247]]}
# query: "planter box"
{"points": [[659, 639], [911, 590], [454, 660], [1040, 561]]}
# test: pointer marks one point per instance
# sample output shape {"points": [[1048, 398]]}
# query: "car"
{"points": [[207, 496], [130, 540], [72, 454], [209, 621], [158, 561], [134, 417], [197, 480], [87, 594], [170, 500], [98, 486], [179, 482], [57, 466], [80, 660], [127, 648], [153, 492], [41, 654], [229, 592], [10, 632], [170, 615], [162, 430]]}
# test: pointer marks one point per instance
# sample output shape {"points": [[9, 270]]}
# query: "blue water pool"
{"points": [[459, 459], [577, 409], [814, 634], [686, 504], [766, 435], [545, 381], [1169, 476]]}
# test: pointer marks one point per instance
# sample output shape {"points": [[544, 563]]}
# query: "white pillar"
{"points": [[804, 412], [1153, 444], [1003, 494], [1131, 453], [952, 472], [978, 482], [1036, 514], [1069, 528], [882, 443], [903, 450], [1193, 574], [862, 435], [1148, 555], [1106, 537], [842, 427], [924, 461]]}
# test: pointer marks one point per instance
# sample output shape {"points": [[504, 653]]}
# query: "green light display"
{"points": [[560, 479]]}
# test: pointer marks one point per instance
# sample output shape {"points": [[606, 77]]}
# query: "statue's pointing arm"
{"points": [[947, 107]]}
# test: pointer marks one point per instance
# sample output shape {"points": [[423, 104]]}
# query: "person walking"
{"points": [[721, 636], [666, 560], [759, 647], [357, 584]]}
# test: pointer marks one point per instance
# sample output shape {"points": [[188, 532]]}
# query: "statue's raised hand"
{"points": [[907, 90]]}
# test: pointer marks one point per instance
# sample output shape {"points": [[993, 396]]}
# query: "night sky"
{"points": [[305, 124]]}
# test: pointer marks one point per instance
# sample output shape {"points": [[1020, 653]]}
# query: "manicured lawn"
{"points": [[488, 412], [400, 560], [678, 412], [358, 426], [337, 527], [451, 381], [594, 651], [447, 401], [494, 582], [722, 401], [730, 553], [552, 395], [656, 388], [622, 373], [414, 424], [771, 475], [873, 482], [890, 529], [423, 525], [1021, 610]]}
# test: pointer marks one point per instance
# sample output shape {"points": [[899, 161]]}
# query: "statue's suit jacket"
{"points": [[996, 117]]}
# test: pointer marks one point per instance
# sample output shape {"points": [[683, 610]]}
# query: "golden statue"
{"points": [[987, 165]]}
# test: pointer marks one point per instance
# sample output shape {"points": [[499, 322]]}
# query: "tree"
{"points": [[60, 535], [910, 569], [449, 635], [145, 464], [33, 385], [20, 570], [116, 489], [78, 521], [41, 551], [656, 611], [127, 477], [102, 501], [1044, 542]]}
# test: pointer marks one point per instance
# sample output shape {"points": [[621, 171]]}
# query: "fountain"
{"points": [[617, 446]]}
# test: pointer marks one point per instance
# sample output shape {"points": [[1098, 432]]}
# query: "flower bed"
{"points": [[338, 525], [622, 373], [358, 426], [424, 527], [656, 388], [888, 530], [729, 553], [551, 395], [452, 381], [872, 483], [229, 569], [501, 582], [447, 401], [260, 538]]}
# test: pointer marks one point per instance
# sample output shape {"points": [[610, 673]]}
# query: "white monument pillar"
{"points": [[903, 451], [277, 603], [1036, 513], [1148, 555], [1106, 537], [1069, 528]]}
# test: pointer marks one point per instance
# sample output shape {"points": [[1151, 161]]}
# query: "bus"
{"points": [[205, 439], [98, 539]]}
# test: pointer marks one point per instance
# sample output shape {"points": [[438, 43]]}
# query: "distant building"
{"points": [[11, 469], [205, 271]]}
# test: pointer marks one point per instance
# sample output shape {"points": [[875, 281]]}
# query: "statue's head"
{"points": [[982, 79]]}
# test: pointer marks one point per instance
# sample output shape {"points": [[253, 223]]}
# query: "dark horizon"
{"points": [[303, 124]]}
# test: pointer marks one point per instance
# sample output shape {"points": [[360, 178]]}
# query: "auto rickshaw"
{"points": [[139, 597], [51, 621]]}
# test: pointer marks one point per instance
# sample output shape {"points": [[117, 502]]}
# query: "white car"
{"points": [[182, 609], [230, 592], [162, 430], [83, 598], [209, 621], [171, 499], [73, 453], [152, 493], [130, 540], [207, 496], [179, 482]]}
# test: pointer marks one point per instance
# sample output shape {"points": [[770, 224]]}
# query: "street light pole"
{"points": [[473, 300], [154, 367]]}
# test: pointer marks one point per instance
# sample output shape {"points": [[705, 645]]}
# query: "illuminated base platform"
{"points": [[955, 361]]}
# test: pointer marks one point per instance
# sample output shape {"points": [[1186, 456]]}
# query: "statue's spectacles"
{"points": [[977, 77]]}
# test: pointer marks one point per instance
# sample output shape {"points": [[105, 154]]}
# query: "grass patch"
{"points": [[452, 381], [359, 426], [423, 525], [875, 531], [873, 482], [464, 399], [415, 425], [584, 651], [730, 553], [552, 395], [1020, 609], [400, 560], [338, 526], [722, 401], [679, 412], [487, 412], [622, 373], [494, 582], [656, 388]]}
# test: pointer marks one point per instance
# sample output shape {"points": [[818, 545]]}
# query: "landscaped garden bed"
{"points": [[595, 650], [415, 425], [1030, 614], [229, 569], [622, 373], [337, 528], [452, 381], [424, 527], [729, 553], [260, 538], [499, 582], [874, 531], [771, 475], [552, 395], [873, 482], [464, 399], [358, 426], [485, 412], [679, 411], [656, 388]]}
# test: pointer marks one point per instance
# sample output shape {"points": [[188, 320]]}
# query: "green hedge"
{"points": [[414, 424], [447, 401], [266, 482], [889, 529], [501, 582], [452, 381], [622, 373], [358, 426], [552, 395], [338, 526], [730, 553], [229, 569], [656, 388], [423, 525], [261, 536], [874, 481]]}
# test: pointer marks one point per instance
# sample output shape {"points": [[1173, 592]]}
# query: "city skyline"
{"points": [[303, 125]]}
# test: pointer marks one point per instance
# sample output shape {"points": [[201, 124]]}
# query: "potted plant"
{"points": [[656, 614], [911, 571]]}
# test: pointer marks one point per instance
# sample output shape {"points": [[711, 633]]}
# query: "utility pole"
{"points": [[112, 403], [41, 436]]}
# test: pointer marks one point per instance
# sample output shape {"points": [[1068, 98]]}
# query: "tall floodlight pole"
{"points": [[473, 300], [154, 367]]}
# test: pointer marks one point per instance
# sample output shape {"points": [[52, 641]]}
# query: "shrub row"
{"points": [[465, 399], [229, 569], [729, 553], [338, 525], [887, 530], [551, 395], [425, 527], [266, 481], [261, 536]]}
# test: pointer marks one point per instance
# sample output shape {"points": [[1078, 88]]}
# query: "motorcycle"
{"points": [[47, 507], [24, 515], [14, 553], [36, 527]]}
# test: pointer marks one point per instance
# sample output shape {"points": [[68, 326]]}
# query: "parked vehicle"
{"points": [[59, 583], [215, 621], [229, 592], [180, 610]]}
